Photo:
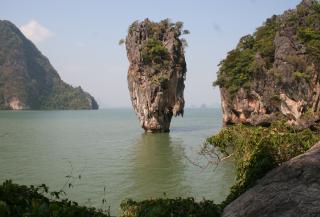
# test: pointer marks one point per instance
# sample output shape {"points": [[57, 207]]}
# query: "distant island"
{"points": [[27, 79]]}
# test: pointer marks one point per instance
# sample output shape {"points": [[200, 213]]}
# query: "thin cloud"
{"points": [[35, 31], [217, 27]]}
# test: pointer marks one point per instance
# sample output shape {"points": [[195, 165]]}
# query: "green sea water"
{"points": [[109, 149]]}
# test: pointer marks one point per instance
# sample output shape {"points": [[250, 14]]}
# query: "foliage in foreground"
{"points": [[170, 207], [257, 150], [22, 201]]}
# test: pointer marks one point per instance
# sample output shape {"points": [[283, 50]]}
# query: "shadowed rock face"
{"points": [[291, 190], [156, 73], [274, 73]]}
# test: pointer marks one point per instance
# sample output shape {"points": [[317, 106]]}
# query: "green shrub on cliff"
{"points": [[257, 150], [155, 54], [237, 69], [308, 30]]}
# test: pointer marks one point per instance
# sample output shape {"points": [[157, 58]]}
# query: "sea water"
{"points": [[107, 149]]}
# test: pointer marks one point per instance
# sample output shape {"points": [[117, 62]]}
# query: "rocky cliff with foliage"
{"points": [[157, 72], [274, 73], [27, 79]]}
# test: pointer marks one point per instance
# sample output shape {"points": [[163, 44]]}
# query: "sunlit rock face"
{"points": [[156, 73], [273, 74]]}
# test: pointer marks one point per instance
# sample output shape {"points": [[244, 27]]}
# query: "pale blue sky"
{"points": [[81, 38]]}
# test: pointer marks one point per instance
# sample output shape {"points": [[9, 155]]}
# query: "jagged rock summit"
{"points": [[157, 72], [274, 73], [27, 79]]}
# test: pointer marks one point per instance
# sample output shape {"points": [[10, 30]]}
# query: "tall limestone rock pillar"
{"points": [[157, 72]]}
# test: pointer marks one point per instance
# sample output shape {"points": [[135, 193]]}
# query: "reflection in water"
{"points": [[157, 167]]}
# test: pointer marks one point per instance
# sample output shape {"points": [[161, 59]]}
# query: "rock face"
{"points": [[291, 190], [156, 73], [27, 79], [274, 73]]}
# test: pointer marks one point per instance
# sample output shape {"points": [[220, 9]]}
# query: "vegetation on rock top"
{"points": [[237, 69], [155, 54], [256, 53]]}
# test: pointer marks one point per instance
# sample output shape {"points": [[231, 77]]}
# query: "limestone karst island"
{"points": [[157, 72], [247, 143]]}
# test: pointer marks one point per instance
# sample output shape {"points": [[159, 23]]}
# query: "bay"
{"points": [[108, 149]]}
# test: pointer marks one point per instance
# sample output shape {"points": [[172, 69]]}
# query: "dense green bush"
{"points": [[308, 31], [256, 150], [238, 68], [161, 80], [22, 201], [170, 208], [311, 38], [155, 54]]}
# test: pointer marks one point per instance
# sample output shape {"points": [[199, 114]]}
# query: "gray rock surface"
{"points": [[291, 190], [156, 73]]}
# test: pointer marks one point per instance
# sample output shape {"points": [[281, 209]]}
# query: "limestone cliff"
{"points": [[156, 73], [290, 190], [274, 73], [27, 79]]}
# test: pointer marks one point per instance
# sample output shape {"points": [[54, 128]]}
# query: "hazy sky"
{"points": [[80, 38]]}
